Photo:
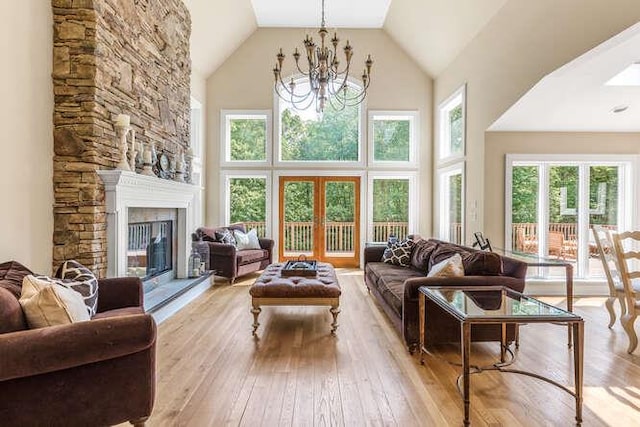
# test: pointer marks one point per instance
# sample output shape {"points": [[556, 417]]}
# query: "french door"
{"points": [[320, 219]]}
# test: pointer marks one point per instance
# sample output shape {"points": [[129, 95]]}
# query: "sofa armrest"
{"points": [[54, 348], [221, 249], [373, 253], [119, 293], [266, 244]]}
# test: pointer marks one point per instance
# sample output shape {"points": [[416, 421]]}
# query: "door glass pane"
{"points": [[298, 218], [562, 237], [340, 218], [390, 209], [248, 138], [524, 209], [248, 202], [391, 139], [603, 209], [454, 184]]}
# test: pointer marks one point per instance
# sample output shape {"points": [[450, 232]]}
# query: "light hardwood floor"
{"points": [[211, 372]]}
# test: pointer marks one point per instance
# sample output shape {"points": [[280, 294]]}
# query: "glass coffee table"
{"points": [[473, 305]]}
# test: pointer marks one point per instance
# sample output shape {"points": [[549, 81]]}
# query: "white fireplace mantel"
{"points": [[124, 190]]}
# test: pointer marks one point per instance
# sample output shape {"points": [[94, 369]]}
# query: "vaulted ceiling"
{"points": [[433, 32]]}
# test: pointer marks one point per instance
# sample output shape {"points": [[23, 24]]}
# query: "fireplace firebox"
{"points": [[150, 249]]}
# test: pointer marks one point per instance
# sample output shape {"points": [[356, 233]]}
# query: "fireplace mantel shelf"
{"points": [[126, 189]]}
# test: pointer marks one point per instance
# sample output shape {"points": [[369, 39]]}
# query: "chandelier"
{"points": [[324, 81]]}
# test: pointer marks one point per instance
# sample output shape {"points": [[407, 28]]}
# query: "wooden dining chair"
{"points": [[607, 254], [626, 246]]}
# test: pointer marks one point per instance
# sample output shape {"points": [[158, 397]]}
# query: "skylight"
{"points": [[630, 76]]}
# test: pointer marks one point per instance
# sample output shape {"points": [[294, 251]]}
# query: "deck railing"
{"points": [[339, 236], [524, 237]]}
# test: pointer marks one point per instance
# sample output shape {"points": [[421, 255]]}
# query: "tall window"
{"points": [[393, 138], [247, 198], [451, 197], [392, 205], [553, 203], [306, 136], [450, 167], [247, 137], [452, 117]]}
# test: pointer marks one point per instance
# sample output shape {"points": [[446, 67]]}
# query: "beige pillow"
{"points": [[46, 303], [450, 267]]}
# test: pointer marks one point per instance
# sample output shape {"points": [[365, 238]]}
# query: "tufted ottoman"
{"points": [[273, 289]]}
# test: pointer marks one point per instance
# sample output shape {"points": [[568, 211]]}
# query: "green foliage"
{"points": [[390, 200], [340, 201], [524, 194], [248, 199], [456, 129], [525, 182], [248, 139], [455, 198], [298, 201], [391, 140], [332, 137]]}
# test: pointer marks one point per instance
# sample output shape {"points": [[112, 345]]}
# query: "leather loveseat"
{"points": [[96, 372], [225, 259], [396, 288]]}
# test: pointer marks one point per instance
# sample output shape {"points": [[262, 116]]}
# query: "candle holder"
{"points": [[134, 151], [121, 131], [147, 161]]}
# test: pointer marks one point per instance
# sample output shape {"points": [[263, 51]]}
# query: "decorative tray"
{"points": [[303, 268]]}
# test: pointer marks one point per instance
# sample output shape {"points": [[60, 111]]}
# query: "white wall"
{"points": [[245, 81], [524, 41], [26, 133]]}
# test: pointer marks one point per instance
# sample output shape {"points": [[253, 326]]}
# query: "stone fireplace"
{"points": [[148, 202]]}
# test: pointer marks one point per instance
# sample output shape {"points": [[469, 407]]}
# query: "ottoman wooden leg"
{"points": [[335, 310], [256, 312]]}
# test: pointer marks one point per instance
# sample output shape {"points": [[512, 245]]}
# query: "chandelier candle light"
{"points": [[326, 81]]}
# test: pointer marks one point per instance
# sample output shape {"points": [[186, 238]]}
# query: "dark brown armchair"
{"points": [[225, 259], [99, 372]]}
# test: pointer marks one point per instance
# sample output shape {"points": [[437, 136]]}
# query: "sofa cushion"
{"points": [[11, 275], [481, 263], [399, 253], [389, 280], [11, 315], [79, 278], [450, 267], [251, 255], [46, 303], [421, 254]]}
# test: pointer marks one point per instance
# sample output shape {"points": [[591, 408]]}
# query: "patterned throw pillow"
{"points": [[79, 278], [399, 253], [224, 235], [450, 267]]}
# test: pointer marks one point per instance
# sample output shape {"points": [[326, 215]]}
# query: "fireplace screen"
{"points": [[149, 251]]}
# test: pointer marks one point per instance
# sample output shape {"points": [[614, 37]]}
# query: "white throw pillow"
{"points": [[46, 303], [247, 240], [450, 267]]}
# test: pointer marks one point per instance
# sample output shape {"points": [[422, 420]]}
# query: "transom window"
{"points": [[247, 137], [393, 137], [306, 136], [452, 126]]}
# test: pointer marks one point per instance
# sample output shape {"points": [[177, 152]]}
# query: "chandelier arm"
{"points": [[296, 97]]}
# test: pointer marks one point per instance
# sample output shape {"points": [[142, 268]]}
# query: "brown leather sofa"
{"points": [[225, 259], [396, 288], [98, 372]]}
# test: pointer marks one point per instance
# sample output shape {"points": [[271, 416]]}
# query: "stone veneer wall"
{"points": [[111, 57]]}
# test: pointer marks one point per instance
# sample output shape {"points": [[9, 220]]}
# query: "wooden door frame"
{"points": [[319, 209]]}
